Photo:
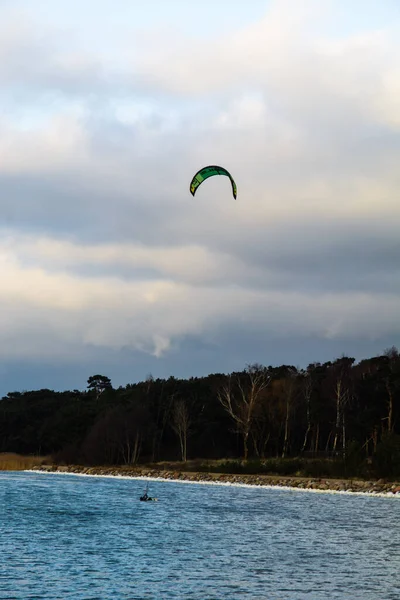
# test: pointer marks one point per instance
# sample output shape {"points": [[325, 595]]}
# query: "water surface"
{"points": [[86, 538]]}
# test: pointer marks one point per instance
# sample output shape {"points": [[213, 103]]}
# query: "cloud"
{"points": [[67, 310], [42, 65], [102, 245]]}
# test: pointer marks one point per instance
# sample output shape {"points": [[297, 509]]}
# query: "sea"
{"points": [[65, 536]]}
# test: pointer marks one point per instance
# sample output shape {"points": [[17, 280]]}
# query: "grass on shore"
{"points": [[17, 462], [284, 467]]}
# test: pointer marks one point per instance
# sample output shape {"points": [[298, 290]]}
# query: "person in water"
{"points": [[145, 497]]}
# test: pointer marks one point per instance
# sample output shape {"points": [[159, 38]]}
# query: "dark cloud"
{"points": [[195, 357]]}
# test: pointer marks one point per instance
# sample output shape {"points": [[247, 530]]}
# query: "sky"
{"points": [[108, 264]]}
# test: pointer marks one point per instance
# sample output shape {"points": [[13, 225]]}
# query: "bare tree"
{"points": [[307, 391], [181, 425], [131, 426], [289, 391], [240, 399], [261, 429], [342, 396], [393, 357], [163, 406]]}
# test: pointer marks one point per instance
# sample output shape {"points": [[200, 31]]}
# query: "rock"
{"points": [[379, 486]]}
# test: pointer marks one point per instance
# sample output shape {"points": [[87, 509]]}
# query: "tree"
{"points": [[241, 399], [393, 364], [132, 428], [341, 371], [307, 393], [99, 383], [289, 384], [181, 425], [101, 443], [262, 426], [117, 435]]}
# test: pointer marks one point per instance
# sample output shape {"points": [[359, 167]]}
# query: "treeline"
{"points": [[339, 418]]}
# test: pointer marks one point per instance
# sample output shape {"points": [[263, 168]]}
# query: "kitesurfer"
{"points": [[146, 497]]}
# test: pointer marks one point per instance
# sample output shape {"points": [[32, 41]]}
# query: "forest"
{"points": [[339, 418]]}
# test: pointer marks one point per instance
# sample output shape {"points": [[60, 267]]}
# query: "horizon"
{"points": [[200, 376]]}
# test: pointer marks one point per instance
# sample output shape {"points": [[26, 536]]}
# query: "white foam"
{"points": [[225, 483]]}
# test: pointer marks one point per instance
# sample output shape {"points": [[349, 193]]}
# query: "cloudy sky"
{"points": [[108, 107]]}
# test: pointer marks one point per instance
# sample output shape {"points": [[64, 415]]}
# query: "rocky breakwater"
{"points": [[380, 486]]}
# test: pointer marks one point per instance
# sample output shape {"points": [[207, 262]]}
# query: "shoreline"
{"points": [[387, 488]]}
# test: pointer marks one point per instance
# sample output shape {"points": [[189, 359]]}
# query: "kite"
{"points": [[209, 172]]}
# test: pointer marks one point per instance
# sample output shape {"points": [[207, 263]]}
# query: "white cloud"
{"points": [[53, 147]]}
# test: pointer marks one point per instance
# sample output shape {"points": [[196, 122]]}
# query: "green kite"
{"points": [[209, 172]]}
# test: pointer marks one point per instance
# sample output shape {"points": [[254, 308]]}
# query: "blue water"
{"points": [[69, 537]]}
